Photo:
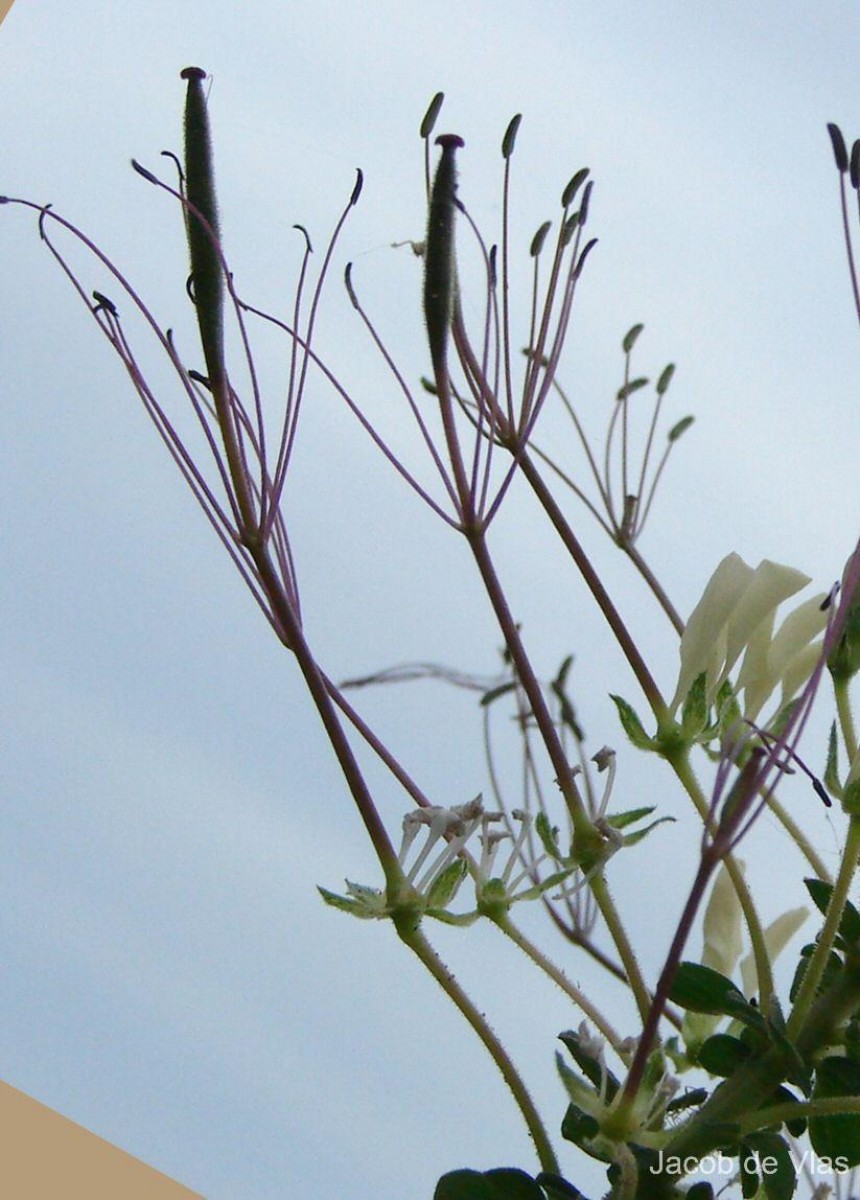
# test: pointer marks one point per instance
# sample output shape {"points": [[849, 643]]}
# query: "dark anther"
{"points": [[359, 184], [147, 175], [102, 301], [837, 141], [431, 114], [821, 793], [201, 379]]}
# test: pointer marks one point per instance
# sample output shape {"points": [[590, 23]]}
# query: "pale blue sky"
{"points": [[171, 979]]}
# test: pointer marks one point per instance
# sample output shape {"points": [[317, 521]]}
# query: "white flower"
{"points": [[735, 616]]}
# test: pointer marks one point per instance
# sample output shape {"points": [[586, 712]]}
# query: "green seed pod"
{"points": [[206, 271], [439, 270]]}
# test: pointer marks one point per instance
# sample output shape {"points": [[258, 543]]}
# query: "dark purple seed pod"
{"points": [[439, 249], [837, 141], [854, 167], [206, 270]]}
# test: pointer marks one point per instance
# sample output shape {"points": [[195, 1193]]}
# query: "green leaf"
{"points": [[632, 725], [832, 971], [446, 884], [341, 902], [592, 1068], [728, 709], [796, 1126], [557, 1188], [548, 835], [503, 1183], [701, 989], [551, 881], [622, 820], [767, 1156], [630, 839], [694, 714], [692, 1098], [580, 1128], [749, 1175], [849, 922], [774, 1163], [831, 771], [722, 1054], [851, 798], [494, 693], [836, 1137]]}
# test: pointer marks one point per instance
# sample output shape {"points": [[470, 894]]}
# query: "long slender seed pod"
{"points": [[206, 271], [439, 272]]}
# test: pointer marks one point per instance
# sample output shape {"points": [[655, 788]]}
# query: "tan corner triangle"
{"points": [[5, 5], [44, 1156]]}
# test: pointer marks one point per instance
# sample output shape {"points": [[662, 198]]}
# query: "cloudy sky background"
{"points": [[171, 979]]}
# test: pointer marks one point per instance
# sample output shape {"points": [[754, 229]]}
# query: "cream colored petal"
{"points": [[796, 632], [769, 586], [703, 642], [776, 937], [721, 926], [755, 678], [798, 671]]}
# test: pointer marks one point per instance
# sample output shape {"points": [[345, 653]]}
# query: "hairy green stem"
{"points": [[503, 922], [815, 967], [412, 936], [680, 763], [846, 717]]}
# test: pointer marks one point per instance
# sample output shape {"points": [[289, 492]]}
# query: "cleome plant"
{"points": [[723, 1080]]}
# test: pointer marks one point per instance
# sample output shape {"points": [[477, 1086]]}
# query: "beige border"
{"points": [[44, 1156], [5, 5]]}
